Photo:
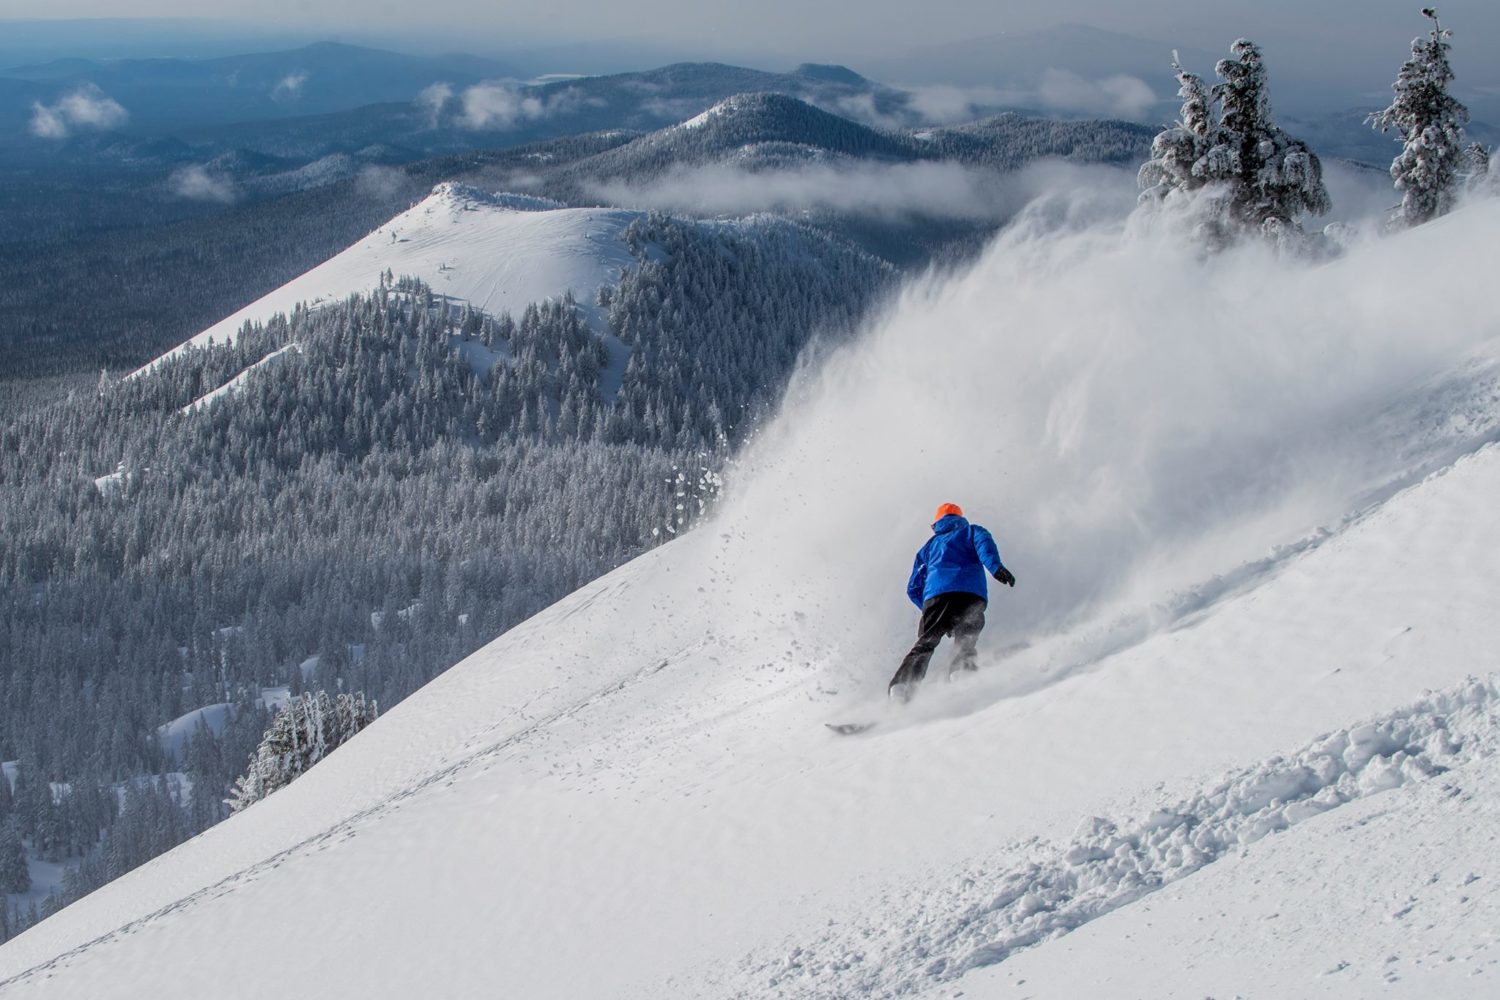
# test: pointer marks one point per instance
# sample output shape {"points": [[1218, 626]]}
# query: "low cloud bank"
{"points": [[87, 107], [498, 105], [1119, 96], [1057, 91], [946, 191]]}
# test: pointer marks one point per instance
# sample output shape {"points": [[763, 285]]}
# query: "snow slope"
{"points": [[1395, 895], [633, 795], [497, 252]]}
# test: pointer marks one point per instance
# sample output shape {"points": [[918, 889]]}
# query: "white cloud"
{"points": [[1059, 91], [433, 99], [672, 108], [1119, 96], [500, 105], [86, 107], [376, 181], [861, 108], [289, 88], [197, 184], [890, 191], [46, 122], [940, 104]]}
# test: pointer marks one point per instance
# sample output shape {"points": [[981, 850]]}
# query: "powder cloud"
{"points": [[1138, 423]]}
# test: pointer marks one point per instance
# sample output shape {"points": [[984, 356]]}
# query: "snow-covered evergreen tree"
{"points": [[1430, 122], [1245, 173], [1190, 154], [307, 729], [1277, 177]]}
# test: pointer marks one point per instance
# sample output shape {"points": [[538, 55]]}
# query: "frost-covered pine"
{"points": [[1277, 178], [307, 729], [1430, 122], [1190, 154], [1225, 148]]}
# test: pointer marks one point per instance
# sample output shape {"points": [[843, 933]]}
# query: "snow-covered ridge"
{"points": [[468, 196], [496, 251]]}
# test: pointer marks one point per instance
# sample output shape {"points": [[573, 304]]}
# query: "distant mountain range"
{"points": [[305, 104], [422, 107], [168, 95]]}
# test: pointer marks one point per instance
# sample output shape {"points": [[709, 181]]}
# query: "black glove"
{"points": [[1006, 577]]}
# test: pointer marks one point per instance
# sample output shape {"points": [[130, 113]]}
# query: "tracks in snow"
{"points": [[991, 913]]}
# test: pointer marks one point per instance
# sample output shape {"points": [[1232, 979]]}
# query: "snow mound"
{"points": [[174, 736], [498, 252]]}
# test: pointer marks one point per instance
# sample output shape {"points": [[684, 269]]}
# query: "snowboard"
{"points": [[850, 728]]}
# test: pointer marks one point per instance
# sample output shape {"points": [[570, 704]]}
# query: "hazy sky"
{"points": [[781, 32], [839, 27]]}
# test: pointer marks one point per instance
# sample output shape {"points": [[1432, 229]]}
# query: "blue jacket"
{"points": [[954, 560]]}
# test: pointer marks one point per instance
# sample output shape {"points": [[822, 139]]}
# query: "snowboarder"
{"points": [[948, 584]]}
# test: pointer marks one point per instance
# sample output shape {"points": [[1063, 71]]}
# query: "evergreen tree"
{"points": [[306, 730], [1430, 123], [15, 876], [1277, 178], [1244, 172], [1179, 154]]}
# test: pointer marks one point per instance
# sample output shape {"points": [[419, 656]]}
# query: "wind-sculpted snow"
{"points": [[985, 915]]}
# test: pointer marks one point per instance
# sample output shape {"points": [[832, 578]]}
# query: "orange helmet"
{"points": [[945, 510]]}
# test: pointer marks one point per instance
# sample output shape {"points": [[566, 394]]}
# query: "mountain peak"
{"points": [[830, 73]]}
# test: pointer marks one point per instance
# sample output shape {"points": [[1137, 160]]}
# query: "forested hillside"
{"points": [[353, 498]]}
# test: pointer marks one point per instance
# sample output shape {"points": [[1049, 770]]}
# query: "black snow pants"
{"points": [[958, 615]]}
